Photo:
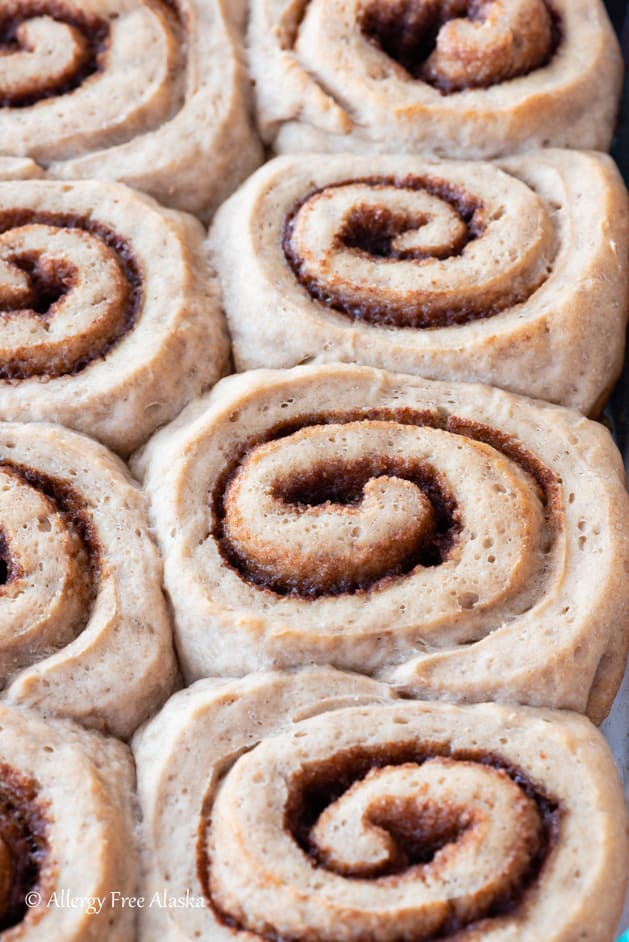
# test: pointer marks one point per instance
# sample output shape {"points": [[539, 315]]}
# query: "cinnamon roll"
{"points": [[110, 320], [317, 805], [67, 842], [457, 541], [84, 629], [512, 275], [149, 92], [455, 78]]}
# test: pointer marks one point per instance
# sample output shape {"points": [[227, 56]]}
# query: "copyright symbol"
{"points": [[32, 899]]}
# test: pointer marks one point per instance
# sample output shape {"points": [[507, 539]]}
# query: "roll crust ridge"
{"points": [[317, 803], [509, 274], [457, 541]]}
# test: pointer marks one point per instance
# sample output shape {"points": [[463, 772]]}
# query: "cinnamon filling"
{"points": [[410, 31], [24, 846], [91, 34], [50, 283], [320, 785], [371, 231], [342, 484]]}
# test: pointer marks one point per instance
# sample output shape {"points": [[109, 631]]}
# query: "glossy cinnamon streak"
{"points": [[407, 31], [343, 484], [47, 291], [320, 784], [93, 30], [372, 233], [23, 830]]}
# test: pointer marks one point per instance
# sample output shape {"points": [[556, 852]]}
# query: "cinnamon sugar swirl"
{"points": [[109, 314]]}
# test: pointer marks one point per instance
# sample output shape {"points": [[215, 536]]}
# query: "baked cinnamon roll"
{"points": [[149, 92], [455, 540], [109, 314], [84, 630], [455, 78], [317, 805], [512, 275]]}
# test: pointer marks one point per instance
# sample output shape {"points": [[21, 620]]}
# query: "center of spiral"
{"points": [[385, 233], [459, 44], [70, 289], [46, 50], [47, 283], [326, 527], [407, 30]]}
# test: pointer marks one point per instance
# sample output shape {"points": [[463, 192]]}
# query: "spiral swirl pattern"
{"points": [[340, 239], [429, 534], [321, 806], [510, 276], [104, 300], [49, 50], [117, 89], [85, 632], [457, 78], [40, 283], [66, 831], [455, 44]]}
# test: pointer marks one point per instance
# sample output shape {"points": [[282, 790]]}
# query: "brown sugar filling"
{"points": [[94, 33], [25, 865], [320, 784], [49, 285], [371, 231], [343, 484], [407, 31]]}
